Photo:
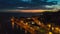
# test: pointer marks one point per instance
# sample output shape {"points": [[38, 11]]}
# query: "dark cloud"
{"points": [[35, 4], [13, 4]]}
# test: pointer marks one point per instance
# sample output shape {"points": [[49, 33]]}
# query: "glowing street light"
{"points": [[50, 33], [57, 29], [52, 28], [12, 21], [49, 25]]}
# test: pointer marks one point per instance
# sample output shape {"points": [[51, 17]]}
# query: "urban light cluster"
{"points": [[27, 24]]}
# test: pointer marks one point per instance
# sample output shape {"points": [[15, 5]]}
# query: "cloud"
{"points": [[47, 6], [35, 4], [57, 7]]}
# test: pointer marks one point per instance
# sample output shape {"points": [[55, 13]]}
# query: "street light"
{"points": [[49, 25], [52, 28], [50, 33]]}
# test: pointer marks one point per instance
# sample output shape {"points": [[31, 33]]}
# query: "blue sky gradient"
{"points": [[14, 4], [56, 6], [55, 0]]}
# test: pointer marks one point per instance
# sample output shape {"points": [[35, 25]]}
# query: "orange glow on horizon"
{"points": [[27, 11]]}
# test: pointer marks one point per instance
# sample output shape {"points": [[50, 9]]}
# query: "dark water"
{"points": [[48, 16]]}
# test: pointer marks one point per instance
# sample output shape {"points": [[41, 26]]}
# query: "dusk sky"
{"points": [[45, 6], [58, 4], [55, 0], [23, 4]]}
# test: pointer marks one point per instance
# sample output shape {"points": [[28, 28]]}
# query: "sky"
{"points": [[55, 0], [48, 0], [47, 6], [55, 6], [17, 4]]}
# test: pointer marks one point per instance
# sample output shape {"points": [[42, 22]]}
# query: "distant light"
{"points": [[57, 28], [33, 23], [40, 23], [49, 25], [50, 33], [52, 28], [26, 23], [21, 21], [28, 18]]}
